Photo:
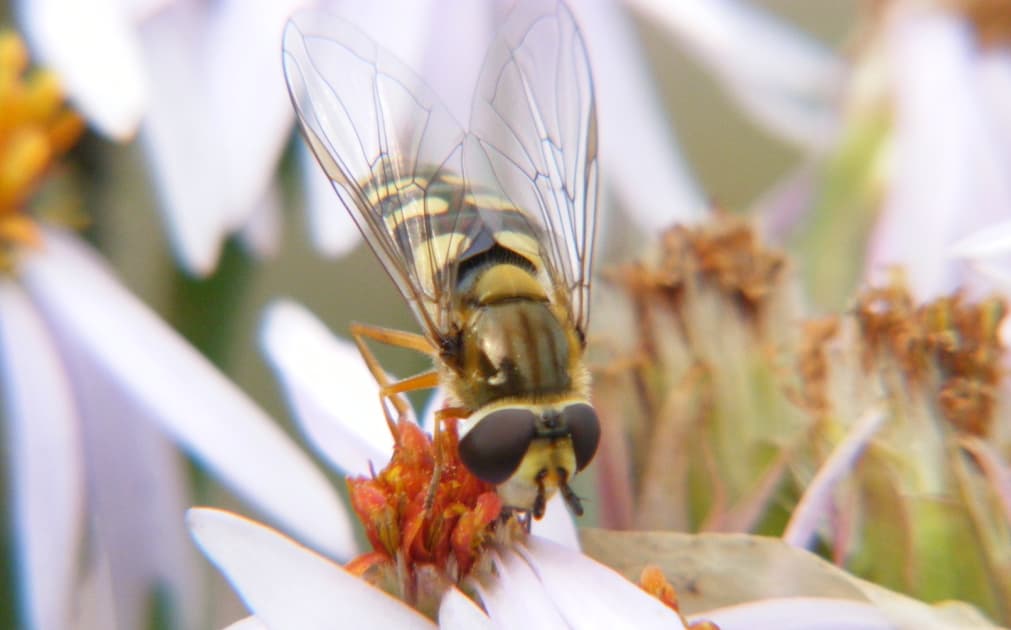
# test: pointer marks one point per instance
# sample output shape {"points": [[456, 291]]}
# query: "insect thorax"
{"points": [[514, 345]]}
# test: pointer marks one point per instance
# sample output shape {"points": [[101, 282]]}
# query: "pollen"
{"points": [[428, 529], [35, 129], [653, 581]]}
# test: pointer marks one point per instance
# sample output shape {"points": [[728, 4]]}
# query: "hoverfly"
{"points": [[488, 232]]}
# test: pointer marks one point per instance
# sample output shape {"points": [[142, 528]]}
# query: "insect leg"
{"points": [[401, 339]]}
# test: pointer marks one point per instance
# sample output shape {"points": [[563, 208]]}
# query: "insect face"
{"points": [[529, 452]]}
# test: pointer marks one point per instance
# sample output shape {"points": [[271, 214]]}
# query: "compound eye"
{"points": [[494, 448], [582, 422]]}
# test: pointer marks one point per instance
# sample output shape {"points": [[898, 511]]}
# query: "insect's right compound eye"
{"points": [[584, 427], [495, 447]]}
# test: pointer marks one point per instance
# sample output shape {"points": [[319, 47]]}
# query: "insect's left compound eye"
{"points": [[494, 448], [584, 427]]}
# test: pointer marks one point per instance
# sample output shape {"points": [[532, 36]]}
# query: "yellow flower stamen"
{"points": [[35, 129]]}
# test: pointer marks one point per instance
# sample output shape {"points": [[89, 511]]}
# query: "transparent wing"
{"points": [[381, 136], [534, 136]]}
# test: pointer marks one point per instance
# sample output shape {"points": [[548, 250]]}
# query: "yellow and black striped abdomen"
{"points": [[444, 230]]}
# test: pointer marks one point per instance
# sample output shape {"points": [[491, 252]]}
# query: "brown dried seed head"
{"points": [[947, 345], [812, 362], [990, 18]]}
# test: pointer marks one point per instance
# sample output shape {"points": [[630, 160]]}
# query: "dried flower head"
{"points": [[726, 403], [692, 383], [948, 345], [990, 18]]}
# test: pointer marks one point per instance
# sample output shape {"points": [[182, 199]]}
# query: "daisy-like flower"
{"points": [[92, 382], [202, 83], [425, 554], [194, 78]]}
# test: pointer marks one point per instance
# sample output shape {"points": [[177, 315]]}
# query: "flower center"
{"points": [[35, 129], [428, 518]]}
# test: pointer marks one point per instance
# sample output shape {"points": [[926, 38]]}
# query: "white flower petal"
{"points": [[332, 394], [181, 391], [459, 612], [245, 97], [786, 80], [799, 614], [94, 49], [332, 231], [991, 241], [558, 524], [46, 455], [249, 623], [516, 582], [605, 599], [288, 586], [261, 232], [641, 162]]}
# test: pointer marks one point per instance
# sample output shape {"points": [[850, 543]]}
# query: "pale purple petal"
{"points": [[993, 240], [459, 612], [180, 137], [994, 72], [558, 524], [261, 233], [405, 36], [787, 81], [330, 391], [799, 614], [245, 97], [331, 229], [813, 507], [288, 586], [93, 46], [988, 252], [950, 174], [182, 392], [638, 150], [137, 485], [140, 10], [604, 599], [95, 603], [47, 470], [457, 35]]}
